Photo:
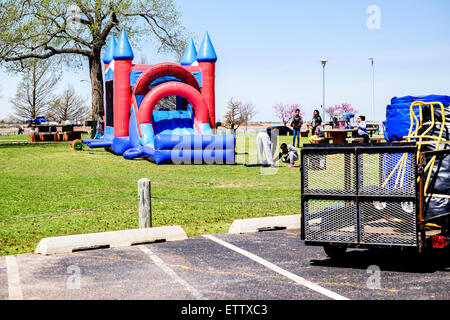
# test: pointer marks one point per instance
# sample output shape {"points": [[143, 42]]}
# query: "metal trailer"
{"points": [[368, 196]]}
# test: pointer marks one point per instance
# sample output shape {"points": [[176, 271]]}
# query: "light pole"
{"points": [[373, 88], [324, 63]]}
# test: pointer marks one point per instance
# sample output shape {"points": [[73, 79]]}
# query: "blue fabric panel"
{"points": [[163, 80], [134, 76], [120, 145], [133, 131], [190, 157], [147, 135], [133, 153], [199, 77], [205, 129], [195, 142], [172, 122], [109, 75], [99, 143], [139, 99], [109, 133]]}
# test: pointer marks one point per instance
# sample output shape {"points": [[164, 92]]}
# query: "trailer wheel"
{"points": [[335, 251]]}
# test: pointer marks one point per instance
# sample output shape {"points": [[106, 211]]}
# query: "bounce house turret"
{"points": [[123, 57], [207, 59], [137, 122], [190, 55], [109, 53]]}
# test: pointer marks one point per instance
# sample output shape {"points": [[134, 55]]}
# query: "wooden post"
{"points": [[145, 204]]}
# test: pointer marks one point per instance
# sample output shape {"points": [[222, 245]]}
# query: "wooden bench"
{"points": [[355, 140], [322, 140], [377, 139]]}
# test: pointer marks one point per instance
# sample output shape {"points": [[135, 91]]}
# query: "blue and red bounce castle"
{"points": [[135, 128]]}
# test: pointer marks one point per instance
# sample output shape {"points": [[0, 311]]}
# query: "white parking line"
{"points": [[172, 273], [279, 270], [12, 271]]}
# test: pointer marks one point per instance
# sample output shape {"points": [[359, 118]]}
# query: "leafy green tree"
{"points": [[77, 30]]}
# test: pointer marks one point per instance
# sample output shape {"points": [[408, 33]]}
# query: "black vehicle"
{"points": [[282, 130]]}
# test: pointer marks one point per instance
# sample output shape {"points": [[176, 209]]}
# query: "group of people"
{"points": [[289, 153]]}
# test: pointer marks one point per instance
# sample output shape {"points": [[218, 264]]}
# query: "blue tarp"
{"points": [[398, 118]]}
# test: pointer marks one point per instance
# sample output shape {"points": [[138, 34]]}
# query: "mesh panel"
{"points": [[329, 174], [388, 223], [387, 174], [390, 177], [330, 220]]}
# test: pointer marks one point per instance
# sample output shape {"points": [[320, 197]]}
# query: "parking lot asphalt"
{"points": [[262, 266]]}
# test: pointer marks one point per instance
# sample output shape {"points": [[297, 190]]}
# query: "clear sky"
{"points": [[269, 52]]}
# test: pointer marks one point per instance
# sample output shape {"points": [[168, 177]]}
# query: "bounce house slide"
{"points": [[137, 126]]}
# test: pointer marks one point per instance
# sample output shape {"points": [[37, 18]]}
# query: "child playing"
{"points": [[362, 129], [318, 133], [288, 154]]}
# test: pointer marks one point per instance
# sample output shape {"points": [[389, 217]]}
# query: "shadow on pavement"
{"points": [[391, 260]]}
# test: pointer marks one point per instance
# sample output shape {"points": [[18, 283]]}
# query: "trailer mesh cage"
{"points": [[360, 195]]}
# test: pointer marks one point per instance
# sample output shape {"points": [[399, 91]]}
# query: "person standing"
{"points": [[316, 118], [296, 124], [100, 130], [264, 145]]}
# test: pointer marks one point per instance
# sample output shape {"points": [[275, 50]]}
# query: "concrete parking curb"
{"points": [[113, 239], [261, 224]]}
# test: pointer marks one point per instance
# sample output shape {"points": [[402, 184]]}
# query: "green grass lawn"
{"points": [[14, 137], [39, 179]]}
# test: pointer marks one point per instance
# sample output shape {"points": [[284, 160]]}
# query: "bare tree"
{"points": [[238, 114], [69, 106], [35, 90], [248, 112]]}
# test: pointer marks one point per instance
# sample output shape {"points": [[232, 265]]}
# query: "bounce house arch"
{"points": [[179, 89], [164, 70]]}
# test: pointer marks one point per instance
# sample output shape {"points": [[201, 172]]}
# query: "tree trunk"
{"points": [[96, 74]]}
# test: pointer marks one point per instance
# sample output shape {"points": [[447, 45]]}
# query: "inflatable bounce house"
{"points": [[138, 126]]}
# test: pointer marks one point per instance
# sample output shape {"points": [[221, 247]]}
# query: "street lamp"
{"points": [[324, 63], [373, 88]]}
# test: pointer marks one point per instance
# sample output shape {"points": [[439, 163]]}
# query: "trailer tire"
{"points": [[335, 251]]}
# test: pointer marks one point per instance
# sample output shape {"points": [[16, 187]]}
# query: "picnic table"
{"points": [[54, 132], [339, 136]]}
